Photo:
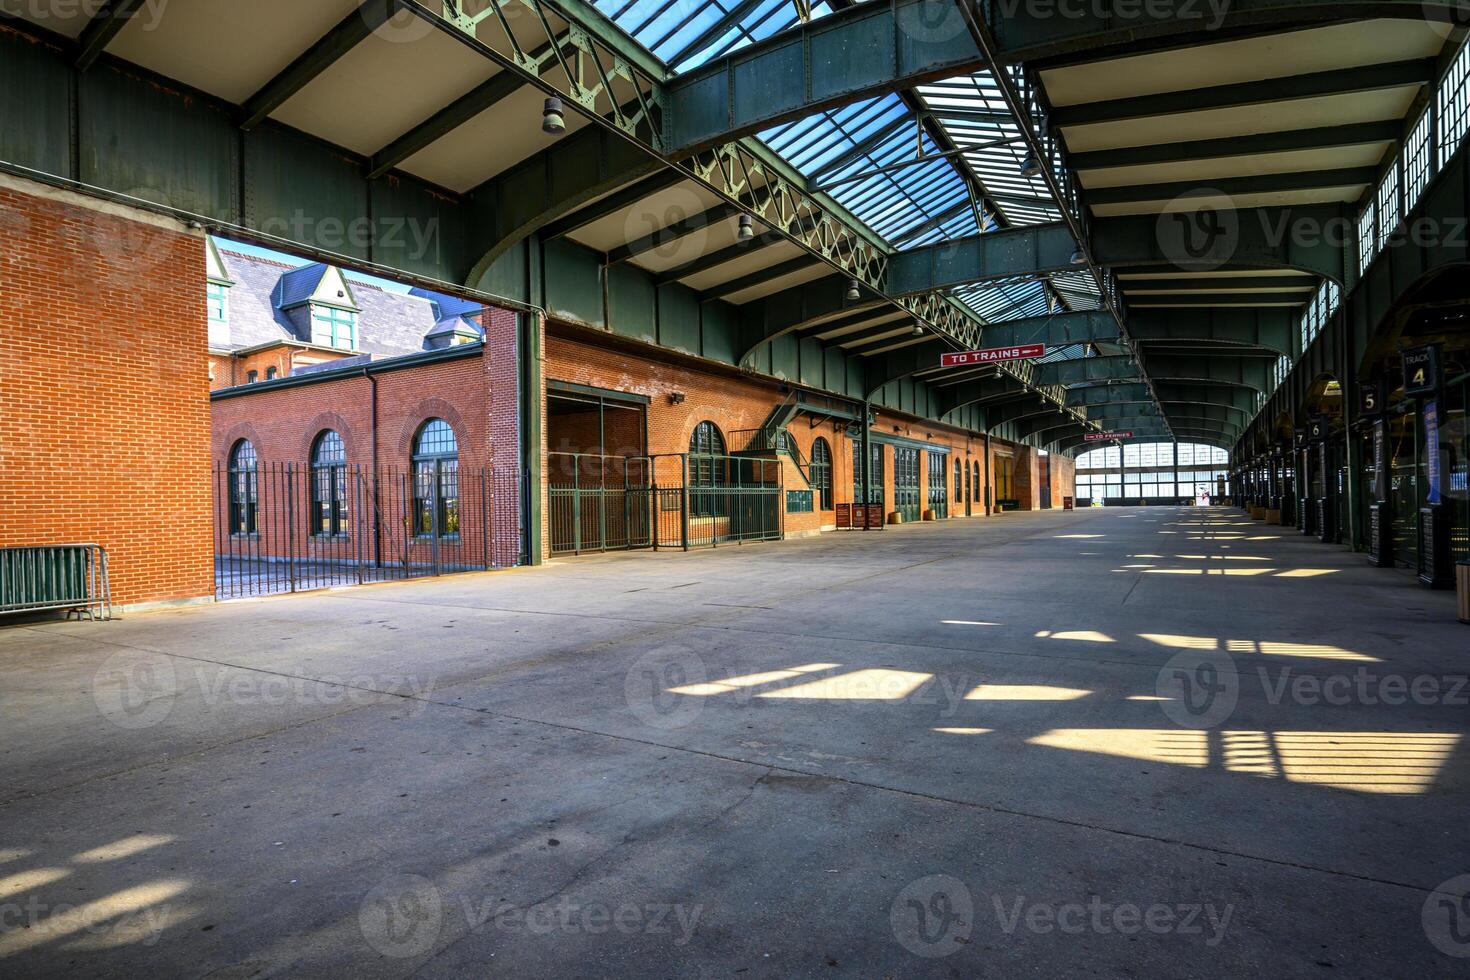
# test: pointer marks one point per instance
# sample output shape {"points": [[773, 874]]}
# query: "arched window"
{"points": [[706, 456], [270, 373], [436, 481], [959, 482], [822, 471], [328, 486], [975, 496], [251, 377], [244, 488]]}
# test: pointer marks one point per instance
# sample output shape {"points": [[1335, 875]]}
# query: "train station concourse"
{"points": [[643, 488]]}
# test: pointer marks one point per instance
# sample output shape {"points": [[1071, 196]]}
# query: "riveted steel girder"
{"points": [[1211, 235], [1088, 370], [869, 49], [1316, 239], [845, 56], [1241, 399], [1018, 411], [1273, 329], [1213, 370], [983, 391], [1000, 255], [1056, 330], [1109, 395]]}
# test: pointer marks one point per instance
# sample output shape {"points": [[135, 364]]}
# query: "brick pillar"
{"points": [[502, 346]]}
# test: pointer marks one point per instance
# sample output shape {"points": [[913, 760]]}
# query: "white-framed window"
{"points": [[1417, 159], [217, 298], [333, 327], [1366, 240], [1454, 105]]}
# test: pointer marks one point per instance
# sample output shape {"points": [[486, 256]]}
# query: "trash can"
{"points": [[1462, 589]]}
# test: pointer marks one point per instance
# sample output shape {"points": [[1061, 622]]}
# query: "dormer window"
{"points": [[218, 299], [333, 327]]}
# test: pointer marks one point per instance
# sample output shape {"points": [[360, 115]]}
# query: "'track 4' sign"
{"points": [[1106, 436], [993, 354]]}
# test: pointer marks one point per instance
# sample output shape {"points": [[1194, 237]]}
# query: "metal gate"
{"points": [[906, 498], [599, 503], [283, 527], [938, 484]]}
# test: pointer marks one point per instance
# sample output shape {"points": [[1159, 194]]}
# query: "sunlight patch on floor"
{"points": [[89, 916], [126, 847], [1396, 763], [869, 684], [1086, 636], [1315, 651], [711, 688], [1024, 692], [24, 881]]}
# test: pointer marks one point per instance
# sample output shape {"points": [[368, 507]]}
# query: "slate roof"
{"points": [[389, 324]]}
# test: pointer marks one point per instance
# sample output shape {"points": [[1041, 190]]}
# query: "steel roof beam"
{"points": [[1343, 81], [1327, 137], [350, 31], [1283, 301], [613, 203], [667, 234], [1302, 282], [1031, 33], [1300, 180], [105, 25], [761, 276]]}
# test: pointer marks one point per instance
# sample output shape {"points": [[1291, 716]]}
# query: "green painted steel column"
{"points": [[529, 354], [867, 464]]}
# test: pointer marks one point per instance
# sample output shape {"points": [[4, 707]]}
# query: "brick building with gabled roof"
{"points": [[268, 319]]}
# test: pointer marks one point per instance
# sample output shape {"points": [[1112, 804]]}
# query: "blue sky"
{"points": [[296, 260]]}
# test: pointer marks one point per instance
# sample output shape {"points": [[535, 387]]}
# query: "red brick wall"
{"points": [[226, 371], [104, 411], [738, 404]]}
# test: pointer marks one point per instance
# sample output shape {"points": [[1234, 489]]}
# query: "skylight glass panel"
{"points": [[866, 156], [684, 34]]}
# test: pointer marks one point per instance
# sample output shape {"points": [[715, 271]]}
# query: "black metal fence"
{"points": [[284, 527], [616, 503]]}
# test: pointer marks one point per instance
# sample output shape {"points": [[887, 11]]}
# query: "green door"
{"points": [[875, 473], [906, 495], [938, 484]]}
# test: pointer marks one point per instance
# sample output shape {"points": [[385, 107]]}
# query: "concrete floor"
{"points": [[1160, 742]]}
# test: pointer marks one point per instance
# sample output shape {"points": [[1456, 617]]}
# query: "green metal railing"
{"points": [[673, 500], [599, 503], [71, 577]]}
